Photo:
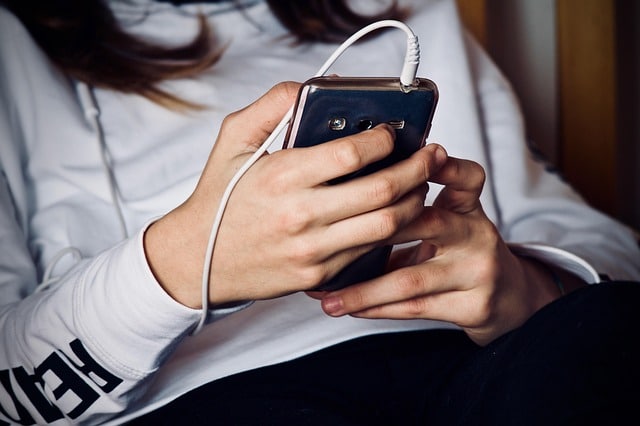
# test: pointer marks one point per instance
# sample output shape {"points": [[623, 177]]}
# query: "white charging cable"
{"points": [[407, 79]]}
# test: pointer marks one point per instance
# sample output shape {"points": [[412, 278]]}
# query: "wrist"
{"points": [[552, 281], [175, 253], [542, 286]]}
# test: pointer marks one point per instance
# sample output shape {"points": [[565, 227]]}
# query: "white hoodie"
{"points": [[104, 341]]}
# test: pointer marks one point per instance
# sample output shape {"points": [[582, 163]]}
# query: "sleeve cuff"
{"points": [[128, 317], [559, 258]]}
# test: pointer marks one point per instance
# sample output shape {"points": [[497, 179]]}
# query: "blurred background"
{"points": [[575, 65]]}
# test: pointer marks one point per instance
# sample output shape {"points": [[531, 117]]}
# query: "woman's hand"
{"points": [[285, 229], [461, 271]]}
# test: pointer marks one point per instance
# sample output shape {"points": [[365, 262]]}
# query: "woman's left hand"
{"points": [[461, 271]]}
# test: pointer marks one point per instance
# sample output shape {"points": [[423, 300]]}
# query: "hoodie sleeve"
{"points": [[82, 349]]}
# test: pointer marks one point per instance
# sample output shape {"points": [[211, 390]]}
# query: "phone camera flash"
{"points": [[337, 123]]}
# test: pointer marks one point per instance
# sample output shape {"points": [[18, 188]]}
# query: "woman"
{"points": [[109, 189]]}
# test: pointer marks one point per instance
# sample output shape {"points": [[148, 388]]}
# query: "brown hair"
{"points": [[84, 39]]}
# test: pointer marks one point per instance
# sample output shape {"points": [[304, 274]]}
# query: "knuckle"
{"points": [[281, 94], [388, 224], [273, 183], [383, 135], [409, 284], [384, 190], [347, 155], [230, 121], [478, 176], [356, 300], [311, 276], [415, 307], [287, 169], [295, 220], [278, 177], [421, 161], [286, 89], [304, 252]]}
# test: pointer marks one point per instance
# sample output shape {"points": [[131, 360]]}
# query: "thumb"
{"points": [[248, 128]]}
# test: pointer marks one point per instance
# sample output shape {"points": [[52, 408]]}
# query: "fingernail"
{"points": [[332, 305], [387, 127]]}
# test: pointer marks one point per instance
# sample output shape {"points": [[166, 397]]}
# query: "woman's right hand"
{"points": [[284, 229]]}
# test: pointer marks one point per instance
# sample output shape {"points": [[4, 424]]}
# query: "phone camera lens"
{"points": [[337, 123], [365, 124]]}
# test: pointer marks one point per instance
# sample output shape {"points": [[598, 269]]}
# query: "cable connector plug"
{"points": [[411, 62]]}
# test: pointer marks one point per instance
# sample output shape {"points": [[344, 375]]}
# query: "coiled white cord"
{"points": [[407, 78]]}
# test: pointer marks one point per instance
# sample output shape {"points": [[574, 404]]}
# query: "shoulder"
{"points": [[21, 58], [25, 70], [15, 37], [28, 78], [29, 86]]}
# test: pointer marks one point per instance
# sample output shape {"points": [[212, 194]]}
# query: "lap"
{"points": [[574, 362]]}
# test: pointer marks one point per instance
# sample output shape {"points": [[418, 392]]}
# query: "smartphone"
{"points": [[331, 107]]}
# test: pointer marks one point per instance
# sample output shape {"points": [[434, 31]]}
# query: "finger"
{"points": [[463, 182], [376, 226], [350, 227], [453, 307], [249, 127], [394, 287], [457, 307], [438, 307], [436, 226], [384, 187], [343, 156]]}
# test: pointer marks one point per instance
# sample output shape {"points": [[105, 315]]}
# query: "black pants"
{"points": [[576, 362]]}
